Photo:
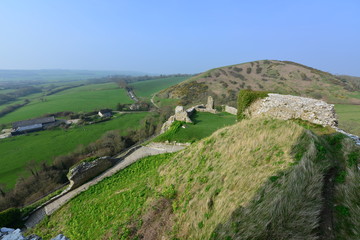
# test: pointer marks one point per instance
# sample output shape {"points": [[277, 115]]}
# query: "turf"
{"points": [[80, 99], [145, 89], [204, 124], [17, 151], [349, 117], [114, 201]]}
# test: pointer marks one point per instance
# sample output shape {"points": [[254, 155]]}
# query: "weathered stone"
{"points": [[85, 171], [230, 110], [181, 115], [210, 103], [179, 109], [293, 107], [167, 124]]}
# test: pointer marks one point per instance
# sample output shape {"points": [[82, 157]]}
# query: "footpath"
{"points": [[133, 156]]}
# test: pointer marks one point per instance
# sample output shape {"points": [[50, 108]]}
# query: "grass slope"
{"points": [[258, 179], [146, 89], [204, 124], [349, 117], [17, 151], [80, 99]]}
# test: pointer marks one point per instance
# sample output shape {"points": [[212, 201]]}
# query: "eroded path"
{"points": [[135, 154]]}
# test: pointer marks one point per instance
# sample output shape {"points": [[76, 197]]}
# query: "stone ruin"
{"points": [[292, 107], [184, 115]]}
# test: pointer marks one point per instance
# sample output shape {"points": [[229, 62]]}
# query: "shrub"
{"points": [[248, 70], [10, 218], [245, 98]]}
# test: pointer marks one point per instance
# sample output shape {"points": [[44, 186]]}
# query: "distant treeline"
{"points": [[131, 79], [51, 92], [21, 92], [12, 108]]}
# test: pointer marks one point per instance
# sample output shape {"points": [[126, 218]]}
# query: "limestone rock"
{"points": [[230, 110], [181, 115], [293, 107], [210, 103]]}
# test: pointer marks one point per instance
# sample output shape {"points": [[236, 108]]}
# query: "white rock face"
{"points": [[16, 234], [293, 107], [231, 110]]}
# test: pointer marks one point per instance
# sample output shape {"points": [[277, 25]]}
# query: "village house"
{"points": [[105, 113]]}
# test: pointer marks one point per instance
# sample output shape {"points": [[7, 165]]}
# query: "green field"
{"points": [[145, 89], [80, 99], [115, 201], [204, 124], [349, 117], [45, 145]]}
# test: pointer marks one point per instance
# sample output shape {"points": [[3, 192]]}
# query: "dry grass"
{"points": [[225, 174]]}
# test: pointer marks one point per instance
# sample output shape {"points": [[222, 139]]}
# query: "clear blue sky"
{"points": [[178, 36]]}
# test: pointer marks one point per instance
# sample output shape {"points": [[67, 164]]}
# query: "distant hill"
{"points": [[57, 75], [267, 75]]}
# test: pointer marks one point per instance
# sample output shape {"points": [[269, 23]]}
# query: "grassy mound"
{"points": [[258, 179]]}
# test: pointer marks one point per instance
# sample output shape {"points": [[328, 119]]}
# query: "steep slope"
{"points": [[268, 75], [258, 179]]}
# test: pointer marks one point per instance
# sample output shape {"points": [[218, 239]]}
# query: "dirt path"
{"points": [[152, 101], [151, 149]]}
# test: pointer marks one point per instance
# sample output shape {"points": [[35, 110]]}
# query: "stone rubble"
{"points": [[292, 107], [16, 234]]}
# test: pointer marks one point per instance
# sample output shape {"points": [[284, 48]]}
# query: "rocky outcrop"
{"points": [[85, 171], [293, 107], [16, 234], [230, 110]]}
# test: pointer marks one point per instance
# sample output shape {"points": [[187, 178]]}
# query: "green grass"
{"points": [[204, 124], [17, 151], [349, 117], [145, 89], [80, 99], [114, 203]]}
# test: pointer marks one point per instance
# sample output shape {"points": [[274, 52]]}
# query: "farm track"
{"points": [[127, 160]]}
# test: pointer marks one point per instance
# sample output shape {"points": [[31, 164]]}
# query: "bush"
{"points": [[10, 218], [245, 98]]}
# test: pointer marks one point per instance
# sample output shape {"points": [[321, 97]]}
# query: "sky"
{"points": [[178, 36]]}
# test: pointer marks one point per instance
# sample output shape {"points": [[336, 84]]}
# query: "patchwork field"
{"points": [[80, 99], [349, 117], [204, 124], [16, 152]]}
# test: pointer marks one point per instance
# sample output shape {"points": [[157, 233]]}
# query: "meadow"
{"points": [[204, 124], [146, 89], [349, 117], [80, 99], [17, 152]]}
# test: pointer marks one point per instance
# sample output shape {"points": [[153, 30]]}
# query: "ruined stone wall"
{"points": [[293, 107], [230, 110]]}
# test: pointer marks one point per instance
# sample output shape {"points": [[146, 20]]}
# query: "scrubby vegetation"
{"points": [[246, 98]]}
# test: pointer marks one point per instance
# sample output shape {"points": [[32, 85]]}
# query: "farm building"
{"points": [[105, 113], [32, 125]]}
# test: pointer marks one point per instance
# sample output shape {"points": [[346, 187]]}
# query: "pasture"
{"points": [[349, 117], [80, 99], [145, 89], [204, 124], [17, 151]]}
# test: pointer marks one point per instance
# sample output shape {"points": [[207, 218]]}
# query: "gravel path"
{"points": [[151, 149]]}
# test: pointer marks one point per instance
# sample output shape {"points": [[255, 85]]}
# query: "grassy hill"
{"points": [[257, 179], [268, 75]]}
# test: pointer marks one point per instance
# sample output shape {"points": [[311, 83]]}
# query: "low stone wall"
{"points": [[85, 171], [292, 107]]}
